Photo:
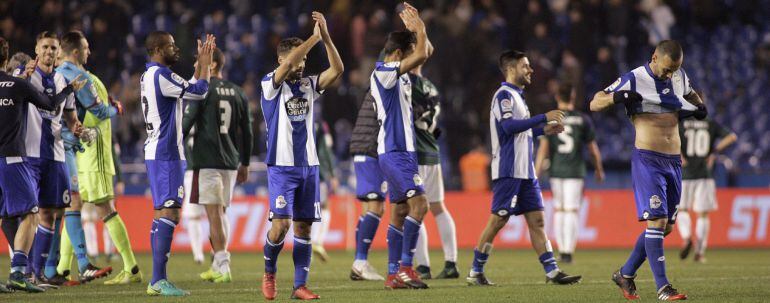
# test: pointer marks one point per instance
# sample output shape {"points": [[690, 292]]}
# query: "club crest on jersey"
{"points": [[384, 186], [655, 202], [305, 82], [280, 202], [297, 109], [180, 192], [417, 179], [179, 79]]}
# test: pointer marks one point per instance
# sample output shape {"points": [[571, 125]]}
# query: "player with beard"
{"points": [[162, 92]]}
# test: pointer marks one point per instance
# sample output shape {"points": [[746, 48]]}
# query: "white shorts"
{"points": [[88, 212], [699, 195], [433, 182], [190, 210], [323, 190], [567, 193]]}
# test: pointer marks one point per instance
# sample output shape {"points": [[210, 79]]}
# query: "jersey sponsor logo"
{"points": [[280, 202], [6, 84], [655, 202], [417, 179], [180, 192], [297, 109], [6, 102], [179, 79]]}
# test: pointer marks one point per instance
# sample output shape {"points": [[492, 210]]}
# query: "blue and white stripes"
{"points": [[653, 234]]}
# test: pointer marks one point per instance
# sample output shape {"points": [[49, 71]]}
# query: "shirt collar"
{"points": [[649, 72], [153, 63], [514, 87]]}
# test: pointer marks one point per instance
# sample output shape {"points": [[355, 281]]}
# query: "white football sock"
{"points": [[684, 224], [558, 222], [448, 233], [421, 251], [108, 245], [326, 221], [226, 225], [92, 242], [221, 262], [570, 231], [195, 231], [702, 227]]}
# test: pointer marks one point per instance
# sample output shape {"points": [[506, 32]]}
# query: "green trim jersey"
{"points": [[97, 155], [425, 104], [219, 128], [698, 139], [566, 150]]}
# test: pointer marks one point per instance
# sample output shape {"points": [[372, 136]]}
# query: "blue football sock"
{"points": [[411, 232], [40, 248], [301, 255], [548, 262], [153, 229], [164, 234], [636, 259], [53, 254], [74, 226], [19, 262], [366, 231], [653, 245], [271, 255], [479, 259], [395, 244]]}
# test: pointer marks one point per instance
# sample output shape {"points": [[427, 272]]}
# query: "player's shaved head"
{"points": [[71, 41], [670, 48], [509, 59], [399, 40], [156, 40], [286, 45]]}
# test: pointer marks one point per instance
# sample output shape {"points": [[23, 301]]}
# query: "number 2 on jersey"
{"points": [[225, 114]]}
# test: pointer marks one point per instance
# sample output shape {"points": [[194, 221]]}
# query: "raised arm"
{"points": [[335, 62], [294, 58], [542, 156], [413, 23]]}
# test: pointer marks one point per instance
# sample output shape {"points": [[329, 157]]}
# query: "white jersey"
{"points": [[511, 153], [162, 95], [288, 113], [392, 93], [659, 95], [43, 134]]}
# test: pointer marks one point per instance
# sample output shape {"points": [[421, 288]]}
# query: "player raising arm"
{"points": [[162, 94], [656, 96], [292, 160]]}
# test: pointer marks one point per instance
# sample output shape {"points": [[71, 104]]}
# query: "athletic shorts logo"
{"points": [[514, 200], [371, 196], [502, 212], [280, 202], [180, 192], [417, 179], [34, 210], [74, 181], [384, 186], [655, 202], [270, 216], [645, 215], [168, 203], [410, 193]]}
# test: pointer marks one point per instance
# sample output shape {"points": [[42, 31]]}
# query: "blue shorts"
{"points": [[51, 180], [72, 169], [512, 196], [166, 182], [657, 182], [400, 170], [370, 182], [294, 193], [19, 196]]}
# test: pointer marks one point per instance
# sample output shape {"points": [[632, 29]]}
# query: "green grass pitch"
{"points": [[729, 276]]}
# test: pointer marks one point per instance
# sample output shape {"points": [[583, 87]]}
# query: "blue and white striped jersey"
{"points": [[511, 153], [392, 94], [162, 95], [659, 95], [43, 134], [288, 113]]}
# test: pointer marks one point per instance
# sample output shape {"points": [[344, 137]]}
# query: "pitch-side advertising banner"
{"points": [[607, 220]]}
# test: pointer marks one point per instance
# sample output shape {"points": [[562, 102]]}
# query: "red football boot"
{"points": [[268, 286]]}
